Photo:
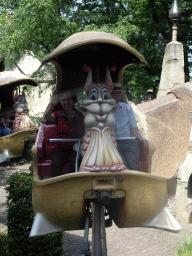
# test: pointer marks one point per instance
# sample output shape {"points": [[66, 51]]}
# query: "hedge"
{"points": [[20, 218], [3, 244]]}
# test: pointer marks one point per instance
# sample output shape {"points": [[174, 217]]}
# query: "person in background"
{"points": [[149, 95], [4, 126], [70, 124], [126, 126]]}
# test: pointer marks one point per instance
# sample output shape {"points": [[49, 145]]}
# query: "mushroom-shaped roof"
{"points": [[94, 49], [92, 37], [15, 79]]}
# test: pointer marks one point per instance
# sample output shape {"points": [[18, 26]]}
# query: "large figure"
{"points": [[99, 145], [22, 120], [149, 95]]}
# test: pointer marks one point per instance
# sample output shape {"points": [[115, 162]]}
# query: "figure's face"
{"points": [[99, 93], [21, 105], [66, 101], [99, 107], [116, 95]]}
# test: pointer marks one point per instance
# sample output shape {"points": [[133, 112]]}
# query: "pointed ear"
{"points": [[89, 82], [24, 89], [16, 96], [108, 81]]}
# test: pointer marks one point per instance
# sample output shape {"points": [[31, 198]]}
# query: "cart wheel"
{"points": [[99, 245]]}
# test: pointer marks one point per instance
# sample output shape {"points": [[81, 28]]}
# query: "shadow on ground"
{"points": [[72, 243]]}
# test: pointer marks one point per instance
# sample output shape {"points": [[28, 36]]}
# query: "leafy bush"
{"points": [[80, 97], [20, 219], [3, 244], [37, 118]]}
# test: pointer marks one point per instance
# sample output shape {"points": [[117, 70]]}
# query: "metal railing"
{"points": [[59, 140]]}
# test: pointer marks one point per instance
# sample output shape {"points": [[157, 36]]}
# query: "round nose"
{"points": [[100, 100]]}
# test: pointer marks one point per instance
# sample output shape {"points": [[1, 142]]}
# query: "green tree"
{"points": [[40, 26], [145, 25], [32, 26], [135, 22]]}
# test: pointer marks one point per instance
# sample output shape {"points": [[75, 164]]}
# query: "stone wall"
{"points": [[168, 127]]}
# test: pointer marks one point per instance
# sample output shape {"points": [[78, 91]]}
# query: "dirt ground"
{"points": [[120, 242]]}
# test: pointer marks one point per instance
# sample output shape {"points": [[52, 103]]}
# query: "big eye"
{"points": [[94, 96], [106, 96]]}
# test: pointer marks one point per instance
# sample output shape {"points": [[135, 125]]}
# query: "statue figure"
{"points": [[99, 144], [22, 120]]}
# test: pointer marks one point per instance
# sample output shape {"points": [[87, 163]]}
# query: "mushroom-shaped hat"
{"points": [[98, 50]]}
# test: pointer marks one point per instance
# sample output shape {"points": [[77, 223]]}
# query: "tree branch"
{"points": [[22, 72], [154, 14], [122, 6]]}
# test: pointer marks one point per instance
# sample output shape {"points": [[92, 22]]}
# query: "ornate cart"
{"points": [[102, 190], [13, 144]]}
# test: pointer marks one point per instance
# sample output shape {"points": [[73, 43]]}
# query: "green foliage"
{"points": [[3, 244], [185, 249], [97, 12], [32, 26], [40, 26], [80, 98], [20, 219], [37, 118], [145, 25]]}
